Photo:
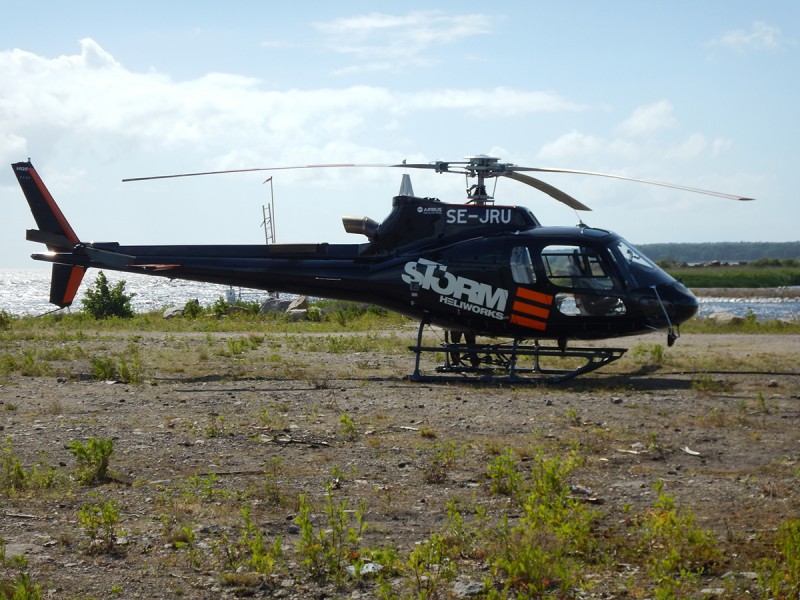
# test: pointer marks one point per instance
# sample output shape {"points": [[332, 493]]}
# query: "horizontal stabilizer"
{"points": [[53, 240]]}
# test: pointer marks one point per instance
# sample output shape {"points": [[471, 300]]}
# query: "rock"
{"points": [[725, 319], [174, 311], [299, 303], [467, 589], [274, 304], [366, 569], [297, 314]]}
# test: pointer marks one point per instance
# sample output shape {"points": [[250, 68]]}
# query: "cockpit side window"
{"points": [[522, 266], [576, 267], [585, 278]]}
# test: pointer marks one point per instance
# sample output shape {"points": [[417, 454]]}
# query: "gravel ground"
{"points": [[195, 442]]}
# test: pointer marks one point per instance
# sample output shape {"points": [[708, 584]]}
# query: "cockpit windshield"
{"points": [[640, 271]]}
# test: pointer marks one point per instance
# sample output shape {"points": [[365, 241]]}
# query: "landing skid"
{"points": [[515, 362]]}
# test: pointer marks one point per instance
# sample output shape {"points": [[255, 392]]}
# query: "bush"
{"points": [[93, 458], [192, 309], [102, 301]]}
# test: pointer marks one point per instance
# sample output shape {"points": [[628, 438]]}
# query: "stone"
{"points": [[299, 303], [174, 311]]}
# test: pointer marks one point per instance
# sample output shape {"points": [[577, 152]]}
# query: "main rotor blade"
{"points": [[548, 189], [251, 171], [635, 179]]}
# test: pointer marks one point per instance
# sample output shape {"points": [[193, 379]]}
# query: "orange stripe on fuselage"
{"points": [[530, 323], [539, 297], [530, 309]]}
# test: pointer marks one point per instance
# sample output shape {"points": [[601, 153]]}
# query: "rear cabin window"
{"points": [[522, 266]]}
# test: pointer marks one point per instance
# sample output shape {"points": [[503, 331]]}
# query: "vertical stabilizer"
{"points": [[51, 221], [54, 231], [64, 284]]}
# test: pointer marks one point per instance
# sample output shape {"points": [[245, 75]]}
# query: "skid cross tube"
{"points": [[499, 363]]}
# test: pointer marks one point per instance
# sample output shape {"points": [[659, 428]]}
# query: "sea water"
{"points": [[26, 292]]}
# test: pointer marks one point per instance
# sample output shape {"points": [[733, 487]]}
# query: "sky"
{"points": [[702, 94]]}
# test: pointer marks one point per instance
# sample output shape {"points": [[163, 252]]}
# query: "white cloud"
{"points": [[759, 36], [500, 101], [692, 147], [646, 120], [573, 145], [382, 41], [95, 103]]}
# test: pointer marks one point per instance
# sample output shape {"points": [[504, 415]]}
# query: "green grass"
{"points": [[733, 276]]}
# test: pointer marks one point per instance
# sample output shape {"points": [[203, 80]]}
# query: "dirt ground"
{"points": [[716, 422]]}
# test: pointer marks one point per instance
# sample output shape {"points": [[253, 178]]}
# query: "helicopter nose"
{"points": [[684, 303], [671, 300]]}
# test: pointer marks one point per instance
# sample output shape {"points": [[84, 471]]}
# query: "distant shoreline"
{"points": [[775, 292]]}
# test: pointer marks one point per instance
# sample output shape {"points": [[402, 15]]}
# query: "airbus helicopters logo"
{"points": [[456, 291]]}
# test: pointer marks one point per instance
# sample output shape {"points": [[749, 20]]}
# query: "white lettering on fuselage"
{"points": [[454, 290], [485, 216]]}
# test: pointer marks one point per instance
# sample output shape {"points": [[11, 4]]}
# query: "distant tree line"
{"points": [[721, 251]]}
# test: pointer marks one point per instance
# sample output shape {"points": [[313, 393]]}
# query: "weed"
{"points": [[706, 384], [5, 320], [21, 586], [272, 491], [505, 479], [12, 475], [648, 356], [347, 428], [441, 461], [674, 544], [99, 522], [781, 572], [270, 420], [431, 567], [327, 551], [204, 488], [655, 447], [428, 433], [93, 459], [260, 557], [130, 373], [539, 555], [216, 426], [15, 478], [104, 368], [574, 418]]}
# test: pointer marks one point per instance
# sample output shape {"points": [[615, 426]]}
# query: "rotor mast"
{"points": [[481, 166]]}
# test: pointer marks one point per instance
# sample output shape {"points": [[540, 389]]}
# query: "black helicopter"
{"points": [[473, 269]]}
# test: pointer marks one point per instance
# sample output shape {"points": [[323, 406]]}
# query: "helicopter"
{"points": [[472, 268]]}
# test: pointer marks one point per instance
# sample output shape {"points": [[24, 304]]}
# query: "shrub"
{"points": [[99, 522], [192, 309], [102, 301], [93, 458]]}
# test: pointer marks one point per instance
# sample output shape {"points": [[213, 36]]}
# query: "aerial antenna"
{"points": [[268, 213]]}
